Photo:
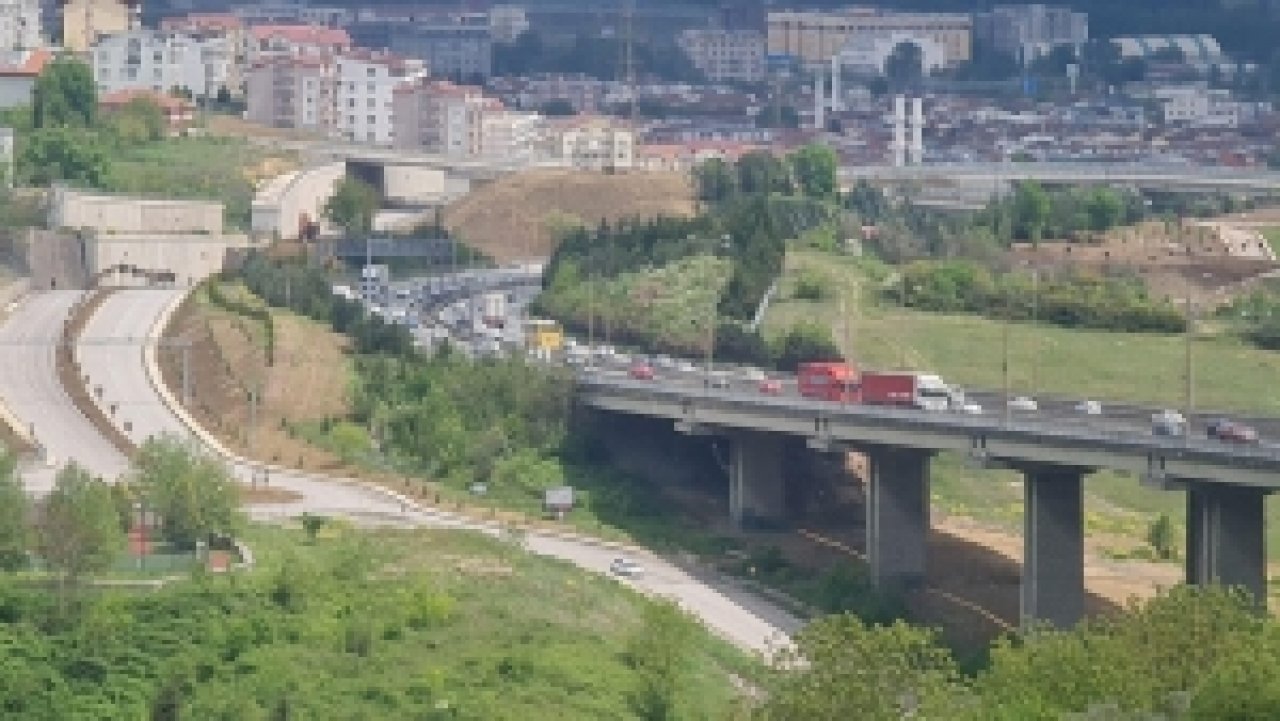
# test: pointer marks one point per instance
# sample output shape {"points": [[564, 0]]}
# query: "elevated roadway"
{"points": [[992, 175]]}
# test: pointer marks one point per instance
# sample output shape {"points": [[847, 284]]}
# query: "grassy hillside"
{"points": [[516, 216], [358, 625], [1146, 368]]}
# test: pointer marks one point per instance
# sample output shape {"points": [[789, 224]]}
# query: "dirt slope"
{"points": [[513, 216]]}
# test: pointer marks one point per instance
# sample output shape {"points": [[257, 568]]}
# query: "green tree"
{"points": [[1031, 209], [349, 441], [353, 206], [1162, 538], [842, 668], [761, 172], [64, 95], [659, 655], [1105, 209], [814, 169], [905, 64], [140, 121], [62, 154], [805, 342], [715, 180], [79, 531], [193, 492], [14, 537]]}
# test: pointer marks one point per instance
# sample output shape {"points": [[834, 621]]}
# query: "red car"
{"points": [[771, 387], [641, 372], [1232, 432]]}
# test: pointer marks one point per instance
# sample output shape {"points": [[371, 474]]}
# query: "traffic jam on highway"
{"points": [[483, 313]]}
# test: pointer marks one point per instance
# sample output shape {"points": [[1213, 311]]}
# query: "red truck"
{"points": [[907, 389], [828, 381]]}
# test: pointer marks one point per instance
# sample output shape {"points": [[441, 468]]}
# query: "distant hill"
{"points": [[514, 216]]}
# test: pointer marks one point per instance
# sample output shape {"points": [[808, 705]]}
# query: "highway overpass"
{"points": [[990, 176], [1225, 485]]}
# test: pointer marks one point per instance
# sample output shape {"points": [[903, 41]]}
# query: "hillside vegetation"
{"points": [[518, 216]]}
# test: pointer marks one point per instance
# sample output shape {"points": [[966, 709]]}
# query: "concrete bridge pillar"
{"points": [[898, 517], [757, 488], [1053, 542], [1226, 542]]}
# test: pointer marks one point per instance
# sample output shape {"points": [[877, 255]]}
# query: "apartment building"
{"points": [[814, 37], [266, 40], [458, 47], [591, 143], [224, 25], [1030, 31], [292, 92], [459, 120], [19, 24], [366, 80], [507, 22], [85, 21], [725, 56], [509, 134], [161, 61]]}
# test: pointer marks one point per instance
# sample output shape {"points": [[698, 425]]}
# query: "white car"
{"points": [[1023, 403], [1089, 408], [626, 568], [686, 367], [970, 408], [752, 375]]}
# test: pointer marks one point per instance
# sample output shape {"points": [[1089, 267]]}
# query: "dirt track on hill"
{"points": [[513, 217]]}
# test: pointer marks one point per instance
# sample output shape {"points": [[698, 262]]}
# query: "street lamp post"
{"points": [[714, 315], [1008, 319]]}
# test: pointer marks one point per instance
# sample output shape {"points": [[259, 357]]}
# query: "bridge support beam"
{"points": [[757, 488], [1226, 542], [1053, 546], [898, 517]]}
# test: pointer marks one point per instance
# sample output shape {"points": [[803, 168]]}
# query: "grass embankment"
{"points": [[968, 350], [376, 624], [1273, 239], [214, 168]]}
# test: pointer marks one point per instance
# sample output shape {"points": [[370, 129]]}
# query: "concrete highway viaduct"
{"points": [[647, 427]]}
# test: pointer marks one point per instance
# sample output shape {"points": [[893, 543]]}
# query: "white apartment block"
{"points": [[509, 134], [161, 61], [366, 81], [1030, 31], [814, 37], [19, 24], [725, 56], [292, 92], [591, 143]]}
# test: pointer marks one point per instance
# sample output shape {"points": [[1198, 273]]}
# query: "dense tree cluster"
{"points": [[1068, 300]]}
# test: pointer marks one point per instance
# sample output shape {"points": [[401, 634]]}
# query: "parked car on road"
{"points": [[1229, 431], [771, 387], [1168, 423], [1089, 408], [626, 568], [641, 372], [1023, 403]]}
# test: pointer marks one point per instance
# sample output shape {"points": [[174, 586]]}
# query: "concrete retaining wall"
{"points": [[123, 214], [191, 258]]}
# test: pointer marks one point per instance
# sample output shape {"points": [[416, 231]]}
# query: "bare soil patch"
{"points": [[513, 216]]}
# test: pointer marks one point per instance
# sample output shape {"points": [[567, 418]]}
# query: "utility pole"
{"points": [[1035, 329], [1189, 373], [186, 374], [1008, 319]]}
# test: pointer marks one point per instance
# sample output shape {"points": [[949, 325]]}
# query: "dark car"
{"points": [[1229, 431]]}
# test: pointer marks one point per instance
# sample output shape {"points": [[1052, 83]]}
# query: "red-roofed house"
{"points": [[179, 114], [266, 40], [18, 72]]}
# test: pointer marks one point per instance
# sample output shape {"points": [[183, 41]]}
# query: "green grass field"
{"points": [[1089, 364], [198, 167], [968, 350], [1273, 237]]}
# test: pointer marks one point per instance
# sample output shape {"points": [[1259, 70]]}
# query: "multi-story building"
{"points": [[265, 40], [19, 24], [365, 83], [459, 120], [814, 37], [1027, 32], [509, 134], [18, 72], [726, 55], [225, 25], [507, 22], [292, 92], [161, 61], [459, 47], [591, 143], [85, 21]]}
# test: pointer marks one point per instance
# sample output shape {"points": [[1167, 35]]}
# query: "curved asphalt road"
{"points": [[737, 615], [30, 387]]}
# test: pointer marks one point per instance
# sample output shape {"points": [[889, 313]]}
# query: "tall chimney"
{"points": [[899, 144], [917, 131], [819, 103]]}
